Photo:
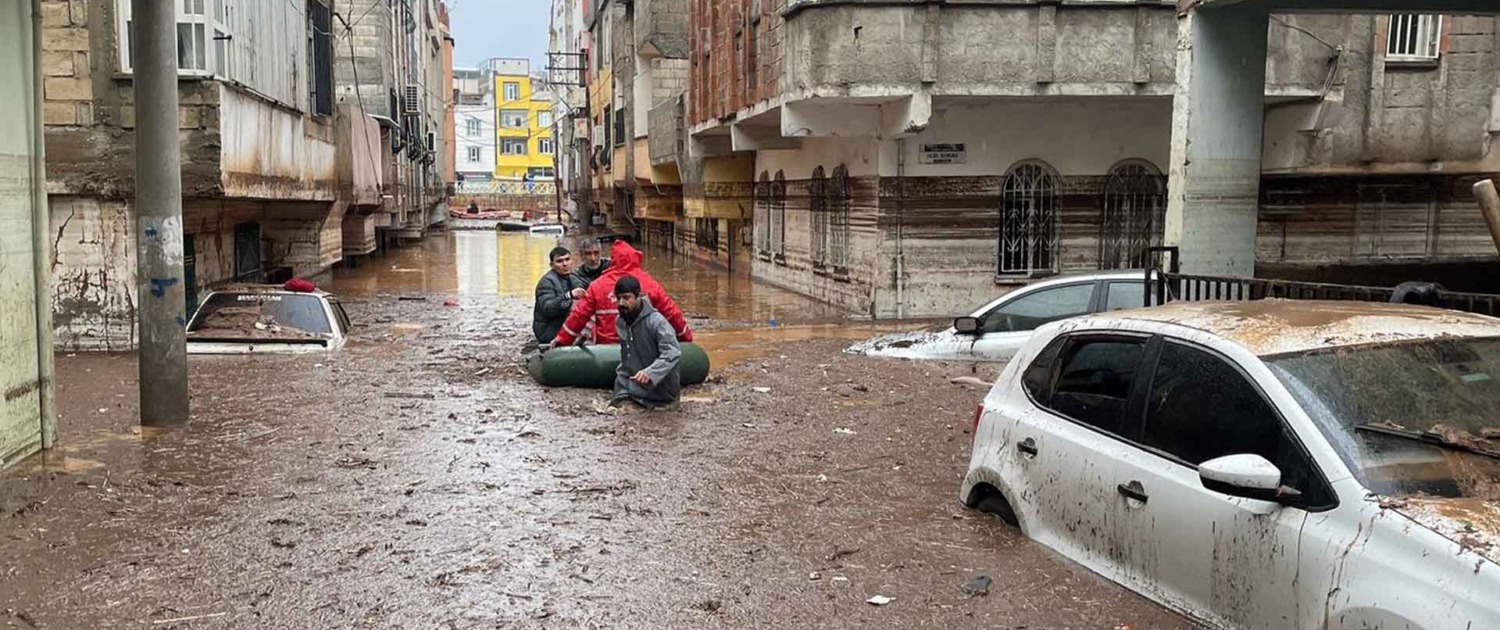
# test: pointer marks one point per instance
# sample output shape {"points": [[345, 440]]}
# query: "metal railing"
{"points": [[1173, 285], [508, 187]]}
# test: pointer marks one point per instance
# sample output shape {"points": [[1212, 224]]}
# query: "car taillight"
{"points": [[974, 430]]}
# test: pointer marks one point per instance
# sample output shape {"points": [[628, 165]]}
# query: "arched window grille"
{"points": [[1134, 209], [1028, 220]]}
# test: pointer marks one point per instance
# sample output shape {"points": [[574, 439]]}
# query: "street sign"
{"points": [[943, 154]]}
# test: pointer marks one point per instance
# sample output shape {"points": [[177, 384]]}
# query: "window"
{"points": [[1093, 384], [194, 23], [544, 119], [1038, 377], [320, 58], [1124, 295], [512, 91], [763, 215], [474, 154], [817, 218], [706, 234], [544, 146], [619, 127], [1028, 220], [1135, 207], [1413, 37], [513, 146], [1034, 309], [839, 199], [1201, 408], [778, 217], [513, 118], [472, 127]]}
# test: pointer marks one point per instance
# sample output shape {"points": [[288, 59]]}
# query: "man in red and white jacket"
{"points": [[598, 306]]}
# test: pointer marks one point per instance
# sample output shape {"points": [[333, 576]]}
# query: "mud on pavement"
{"points": [[418, 479]]}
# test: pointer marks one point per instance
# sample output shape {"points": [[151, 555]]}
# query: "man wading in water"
{"points": [[650, 357]]}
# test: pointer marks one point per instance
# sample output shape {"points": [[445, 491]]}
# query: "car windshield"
{"points": [[1410, 418], [260, 316]]}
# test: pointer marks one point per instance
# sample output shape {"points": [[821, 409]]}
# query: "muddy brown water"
{"points": [[417, 479]]}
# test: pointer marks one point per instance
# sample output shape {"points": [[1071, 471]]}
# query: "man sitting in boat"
{"points": [[594, 263], [650, 357], [555, 295], [599, 307]]}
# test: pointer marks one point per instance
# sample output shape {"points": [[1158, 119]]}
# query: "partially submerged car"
{"points": [[247, 319], [1270, 464], [995, 331]]}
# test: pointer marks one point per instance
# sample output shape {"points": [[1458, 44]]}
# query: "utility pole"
{"points": [[162, 358], [560, 62]]}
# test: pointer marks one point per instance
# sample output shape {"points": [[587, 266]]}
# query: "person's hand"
{"points": [[576, 294], [641, 378]]}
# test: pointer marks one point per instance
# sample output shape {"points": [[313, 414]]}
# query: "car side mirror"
{"points": [[967, 326], [1246, 476]]}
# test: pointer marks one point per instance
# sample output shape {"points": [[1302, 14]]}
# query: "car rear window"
{"points": [[260, 315]]}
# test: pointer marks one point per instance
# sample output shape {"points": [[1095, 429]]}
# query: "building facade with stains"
{"points": [[27, 417], [914, 158], [284, 171]]}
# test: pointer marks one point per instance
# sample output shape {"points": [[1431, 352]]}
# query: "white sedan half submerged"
{"points": [[267, 319], [1273, 464], [995, 331]]}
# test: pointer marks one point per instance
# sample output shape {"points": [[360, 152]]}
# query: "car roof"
{"points": [[1059, 280], [267, 289], [1277, 326]]}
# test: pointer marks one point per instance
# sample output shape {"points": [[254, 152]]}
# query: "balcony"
{"points": [[661, 28], [665, 125]]}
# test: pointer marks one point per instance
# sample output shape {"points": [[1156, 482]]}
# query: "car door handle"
{"points": [[1027, 447], [1133, 490]]}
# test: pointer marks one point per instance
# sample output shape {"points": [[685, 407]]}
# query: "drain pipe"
{"points": [[900, 228], [41, 257]]}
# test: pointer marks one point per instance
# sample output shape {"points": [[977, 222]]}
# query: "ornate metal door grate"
{"points": [[1028, 220], [1131, 221], [839, 196]]}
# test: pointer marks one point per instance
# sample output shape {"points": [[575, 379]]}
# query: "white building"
{"points": [[474, 124]]}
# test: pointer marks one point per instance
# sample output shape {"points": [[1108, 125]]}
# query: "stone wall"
{"points": [[736, 55], [661, 28]]}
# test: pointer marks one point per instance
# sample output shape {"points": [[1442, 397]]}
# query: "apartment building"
{"points": [[524, 142]]}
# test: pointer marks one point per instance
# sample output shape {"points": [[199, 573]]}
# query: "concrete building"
{"points": [[286, 170], [901, 159], [27, 417], [636, 62], [523, 112], [392, 67], [568, 74], [474, 120]]}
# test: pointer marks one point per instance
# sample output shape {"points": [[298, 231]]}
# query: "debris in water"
{"points": [[482, 372], [814, 576], [844, 431], [709, 605], [412, 298], [979, 586], [968, 380], [758, 390], [880, 600]]}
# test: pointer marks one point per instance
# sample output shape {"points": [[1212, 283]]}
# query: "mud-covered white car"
{"points": [[994, 332], [1271, 464], [267, 319]]}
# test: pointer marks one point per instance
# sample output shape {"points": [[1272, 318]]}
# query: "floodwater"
{"points": [[418, 479]]}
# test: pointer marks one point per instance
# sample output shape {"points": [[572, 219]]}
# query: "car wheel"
{"points": [[992, 502]]}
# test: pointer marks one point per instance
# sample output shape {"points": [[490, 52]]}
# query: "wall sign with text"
{"points": [[943, 154]]}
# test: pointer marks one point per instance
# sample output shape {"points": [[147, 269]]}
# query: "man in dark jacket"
{"points": [[650, 357], [594, 263], [554, 296]]}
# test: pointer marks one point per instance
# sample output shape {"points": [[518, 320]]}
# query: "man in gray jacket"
{"points": [[650, 358], [554, 296]]}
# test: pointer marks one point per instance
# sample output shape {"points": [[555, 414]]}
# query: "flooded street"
{"points": [[419, 479]]}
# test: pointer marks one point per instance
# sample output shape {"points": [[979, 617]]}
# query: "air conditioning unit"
{"points": [[599, 135], [413, 97]]}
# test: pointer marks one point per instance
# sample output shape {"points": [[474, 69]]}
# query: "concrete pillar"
{"points": [[1217, 115]]}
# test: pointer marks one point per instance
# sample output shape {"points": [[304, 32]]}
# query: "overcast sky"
{"points": [[499, 28]]}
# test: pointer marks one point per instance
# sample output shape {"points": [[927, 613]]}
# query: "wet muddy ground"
{"points": [[418, 479]]}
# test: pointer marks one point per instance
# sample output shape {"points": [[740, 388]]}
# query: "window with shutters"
{"points": [[840, 197], [817, 217], [778, 218], [320, 58], [512, 92], [763, 216], [1135, 206]]}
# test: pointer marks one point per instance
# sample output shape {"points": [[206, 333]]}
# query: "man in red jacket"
{"points": [[598, 304]]}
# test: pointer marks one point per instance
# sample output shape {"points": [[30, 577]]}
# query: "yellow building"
{"points": [[524, 136]]}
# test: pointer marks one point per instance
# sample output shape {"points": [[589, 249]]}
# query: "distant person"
{"points": [[650, 357], [594, 263], [555, 294], [529, 182], [598, 305], [473, 208]]}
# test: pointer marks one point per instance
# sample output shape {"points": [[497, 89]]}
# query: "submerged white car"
{"points": [[267, 319], [994, 332], [1273, 464]]}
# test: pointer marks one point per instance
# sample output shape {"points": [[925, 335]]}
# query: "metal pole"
{"points": [[158, 199], [41, 241]]}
